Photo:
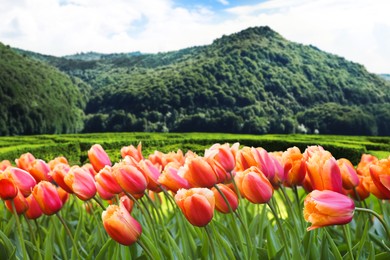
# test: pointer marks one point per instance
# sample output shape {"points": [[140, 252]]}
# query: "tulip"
{"points": [[171, 179], [25, 160], [323, 172], [245, 159], [197, 205], [264, 162], [57, 160], [89, 168], [22, 179], [64, 195], [280, 175], [254, 186], [98, 157], [361, 192], [81, 182], [58, 174], [152, 173], [4, 164], [20, 203], [131, 151], [199, 173], [40, 170], [8, 189], [127, 203], [380, 174], [130, 178], [103, 193], [325, 208], [222, 154], [47, 196], [349, 176], [107, 181], [120, 225], [294, 167], [230, 195], [34, 211]]}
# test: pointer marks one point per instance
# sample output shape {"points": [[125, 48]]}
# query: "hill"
{"points": [[254, 81], [36, 98]]}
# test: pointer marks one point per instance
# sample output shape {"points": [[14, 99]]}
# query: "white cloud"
{"points": [[356, 29]]}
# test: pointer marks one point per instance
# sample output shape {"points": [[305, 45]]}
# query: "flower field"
{"points": [[194, 196]]}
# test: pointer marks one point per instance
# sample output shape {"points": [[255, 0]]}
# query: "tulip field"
{"points": [[194, 196]]}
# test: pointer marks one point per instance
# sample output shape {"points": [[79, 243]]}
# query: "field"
{"points": [[160, 227]]}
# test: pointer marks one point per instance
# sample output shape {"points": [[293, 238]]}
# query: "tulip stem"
{"points": [[69, 233], [19, 227], [147, 252], [99, 202], [377, 216], [211, 242], [33, 236], [280, 229], [347, 236]]}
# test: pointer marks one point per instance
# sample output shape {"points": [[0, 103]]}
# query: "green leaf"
{"points": [[48, 243], [102, 255], [382, 256], [335, 250], [7, 246]]}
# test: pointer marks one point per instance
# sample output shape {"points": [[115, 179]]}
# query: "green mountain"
{"points": [[36, 98], [254, 81]]}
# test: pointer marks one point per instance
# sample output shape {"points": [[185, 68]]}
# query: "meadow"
{"points": [[249, 214]]}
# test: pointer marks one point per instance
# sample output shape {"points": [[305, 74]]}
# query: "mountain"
{"points": [[385, 76], [36, 98], [254, 81]]}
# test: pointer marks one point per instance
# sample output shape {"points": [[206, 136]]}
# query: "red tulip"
{"points": [[103, 193], [105, 178], [254, 186], [197, 205], [230, 195], [34, 211], [98, 157], [8, 189], [326, 208], [20, 202], [47, 196], [81, 182], [120, 225]]}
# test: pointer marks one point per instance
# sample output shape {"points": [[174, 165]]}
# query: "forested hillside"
{"points": [[36, 98], [254, 81]]}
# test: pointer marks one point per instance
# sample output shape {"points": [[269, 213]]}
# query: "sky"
{"points": [[358, 30]]}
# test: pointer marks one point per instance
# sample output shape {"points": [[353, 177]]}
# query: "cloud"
{"points": [[358, 30]]}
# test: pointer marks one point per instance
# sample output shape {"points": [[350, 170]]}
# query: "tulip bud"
{"points": [[380, 174], [81, 182], [107, 181], [25, 160], [131, 151], [20, 202], [34, 211], [171, 179], [8, 189], [230, 195], [23, 180], [40, 170], [349, 176], [130, 178]]}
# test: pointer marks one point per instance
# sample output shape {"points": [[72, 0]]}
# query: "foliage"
{"points": [[36, 98]]}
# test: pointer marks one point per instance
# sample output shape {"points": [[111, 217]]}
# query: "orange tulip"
{"points": [[323, 172], [20, 203], [98, 157], [34, 211], [89, 168], [245, 159], [197, 205], [361, 192], [4, 164], [57, 160], [81, 182], [105, 178], [380, 174], [326, 208], [120, 225], [230, 195], [40, 170], [25, 160], [47, 196], [294, 167], [349, 176], [130, 178], [254, 186], [199, 172], [171, 179], [131, 151]]}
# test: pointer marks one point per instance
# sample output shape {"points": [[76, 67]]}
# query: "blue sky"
{"points": [[358, 30]]}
